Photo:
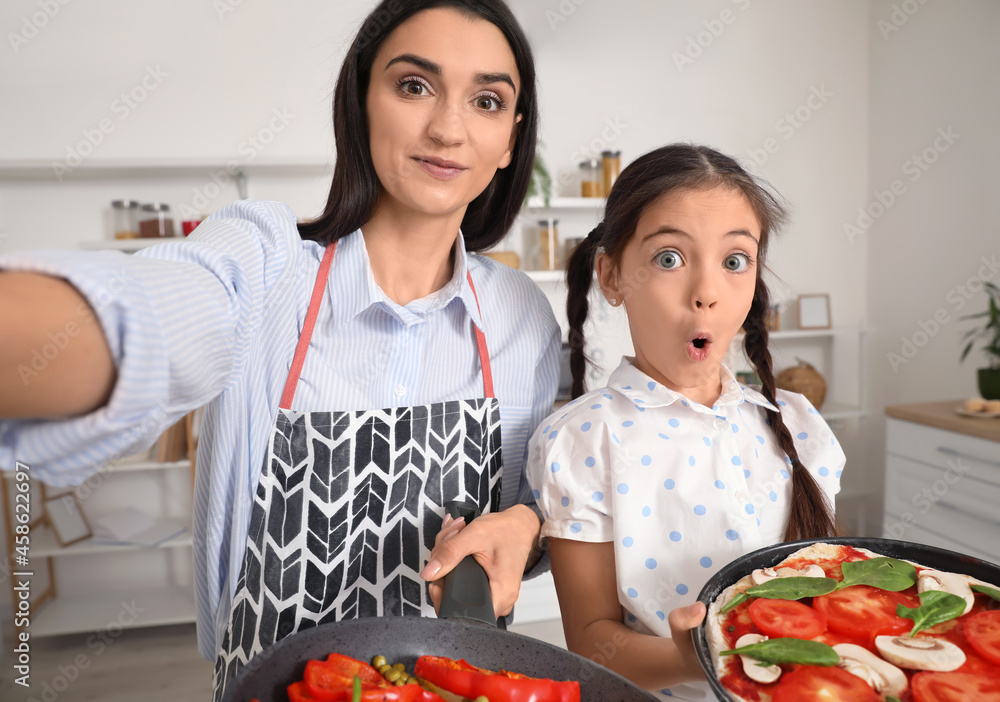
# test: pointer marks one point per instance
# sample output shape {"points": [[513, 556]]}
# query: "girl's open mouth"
{"points": [[699, 348]]}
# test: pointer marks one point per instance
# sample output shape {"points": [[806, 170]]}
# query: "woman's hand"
{"points": [[682, 620], [501, 542]]}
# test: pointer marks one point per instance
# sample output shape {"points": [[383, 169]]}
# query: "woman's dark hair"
{"points": [[649, 178], [355, 188]]}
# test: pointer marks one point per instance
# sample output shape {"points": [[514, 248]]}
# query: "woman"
{"points": [[374, 305]]}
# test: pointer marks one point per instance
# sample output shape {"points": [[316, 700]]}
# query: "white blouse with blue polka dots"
{"points": [[680, 488]]}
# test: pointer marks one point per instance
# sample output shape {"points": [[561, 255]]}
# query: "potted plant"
{"points": [[989, 378], [541, 181]]}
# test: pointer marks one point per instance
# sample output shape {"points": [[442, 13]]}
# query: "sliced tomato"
{"points": [[780, 618], [955, 687], [865, 612], [811, 682], [467, 680], [983, 633], [333, 681], [351, 668]]}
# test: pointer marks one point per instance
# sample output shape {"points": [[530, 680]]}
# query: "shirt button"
{"points": [[720, 424], [400, 391]]}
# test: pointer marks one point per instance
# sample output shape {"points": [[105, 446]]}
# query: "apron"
{"points": [[348, 506]]}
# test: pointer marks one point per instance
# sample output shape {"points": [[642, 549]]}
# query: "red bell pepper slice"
{"points": [[467, 680], [332, 680]]}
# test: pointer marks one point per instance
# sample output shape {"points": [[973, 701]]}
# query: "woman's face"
{"points": [[687, 278], [440, 105]]}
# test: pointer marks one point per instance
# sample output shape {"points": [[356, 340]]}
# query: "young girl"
{"points": [[656, 481], [356, 369]]}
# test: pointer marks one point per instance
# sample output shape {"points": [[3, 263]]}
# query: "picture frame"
{"points": [[67, 520], [814, 311]]}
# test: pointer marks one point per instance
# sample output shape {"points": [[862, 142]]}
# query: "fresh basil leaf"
{"points": [[793, 588], [936, 606], [987, 590], [788, 650], [883, 572], [735, 602]]}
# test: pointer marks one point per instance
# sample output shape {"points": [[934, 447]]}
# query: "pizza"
{"points": [[839, 623]]}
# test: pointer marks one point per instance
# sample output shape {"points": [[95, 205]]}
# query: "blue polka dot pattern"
{"points": [[732, 535], [781, 403], [646, 460], [554, 467], [590, 462], [700, 510], [576, 527], [631, 592], [675, 536], [585, 426], [719, 484], [607, 396], [773, 495], [628, 423], [666, 691], [564, 501], [651, 385], [824, 471], [597, 406], [705, 562], [736, 461], [802, 435], [546, 429], [664, 437], [708, 442], [627, 542], [615, 437], [785, 475], [673, 422], [682, 589], [598, 496], [661, 615], [622, 489], [749, 508], [651, 563], [691, 461], [536, 494], [669, 484], [736, 429], [838, 473], [760, 438], [646, 511], [553, 435]]}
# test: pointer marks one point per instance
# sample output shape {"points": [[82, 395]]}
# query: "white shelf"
{"points": [[71, 614], [567, 203], [44, 543], [836, 410], [41, 169], [546, 276], [129, 466]]}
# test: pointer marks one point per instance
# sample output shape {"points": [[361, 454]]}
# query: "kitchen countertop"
{"points": [[942, 415]]}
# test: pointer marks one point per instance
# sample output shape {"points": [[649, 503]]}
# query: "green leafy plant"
{"points": [[541, 181], [989, 331]]}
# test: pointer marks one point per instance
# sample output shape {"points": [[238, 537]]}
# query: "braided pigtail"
{"points": [[809, 514], [579, 274]]}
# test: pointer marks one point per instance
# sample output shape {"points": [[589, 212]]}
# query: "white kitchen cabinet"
{"points": [[943, 479]]}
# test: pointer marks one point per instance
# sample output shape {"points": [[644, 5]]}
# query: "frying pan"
{"points": [[462, 632], [770, 556]]}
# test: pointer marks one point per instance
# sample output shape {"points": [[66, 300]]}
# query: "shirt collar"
{"points": [[643, 390], [352, 289]]}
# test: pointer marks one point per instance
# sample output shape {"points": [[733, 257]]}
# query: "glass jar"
{"points": [[612, 167], [125, 219], [548, 245], [156, 221], [591, 184]]}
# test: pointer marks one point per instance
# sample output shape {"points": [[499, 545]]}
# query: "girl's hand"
{"points": [[682, 620], [501, 543]]}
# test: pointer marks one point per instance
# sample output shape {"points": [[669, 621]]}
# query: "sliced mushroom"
{"points": [[949, 582], [920, 652], [762, 575], [755, 669], [885, 678]]}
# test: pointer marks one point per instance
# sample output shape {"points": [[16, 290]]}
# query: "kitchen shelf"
{"points": [[567, 203], [73, 614], [547, 276], [44, 543], [41, 169]]}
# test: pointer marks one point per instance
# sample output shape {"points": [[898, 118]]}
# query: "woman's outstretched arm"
{"points": [[54, 358]]}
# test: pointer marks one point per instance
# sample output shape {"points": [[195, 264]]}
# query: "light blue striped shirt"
{"points": [[214, 321]]}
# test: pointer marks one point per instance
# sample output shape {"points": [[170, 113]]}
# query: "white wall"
{"points": [[937, 71]]}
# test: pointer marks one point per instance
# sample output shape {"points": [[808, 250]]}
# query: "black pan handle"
{"points": [[467, 593]]}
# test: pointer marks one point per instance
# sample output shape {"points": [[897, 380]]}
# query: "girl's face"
{"points": [[687, 278], [440, 105]]}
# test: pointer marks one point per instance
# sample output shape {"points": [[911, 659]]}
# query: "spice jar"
{"points": [[548, 244], [156, 221], [591, 184], [612, 167], [125, 219]]}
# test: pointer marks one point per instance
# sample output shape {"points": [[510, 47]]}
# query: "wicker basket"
{"points": [[803, 379]]}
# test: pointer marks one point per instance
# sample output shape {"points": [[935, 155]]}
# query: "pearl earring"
{"points": [[613, 301]]}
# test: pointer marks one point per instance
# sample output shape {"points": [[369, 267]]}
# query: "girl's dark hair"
{"points": [[355, 188], [649, 178]]}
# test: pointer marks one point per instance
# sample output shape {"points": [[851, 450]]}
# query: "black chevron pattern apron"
{"points": [[348, 506]]}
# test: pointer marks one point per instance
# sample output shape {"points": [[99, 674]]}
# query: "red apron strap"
{"points": [[484, 353], [307, 328]]}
